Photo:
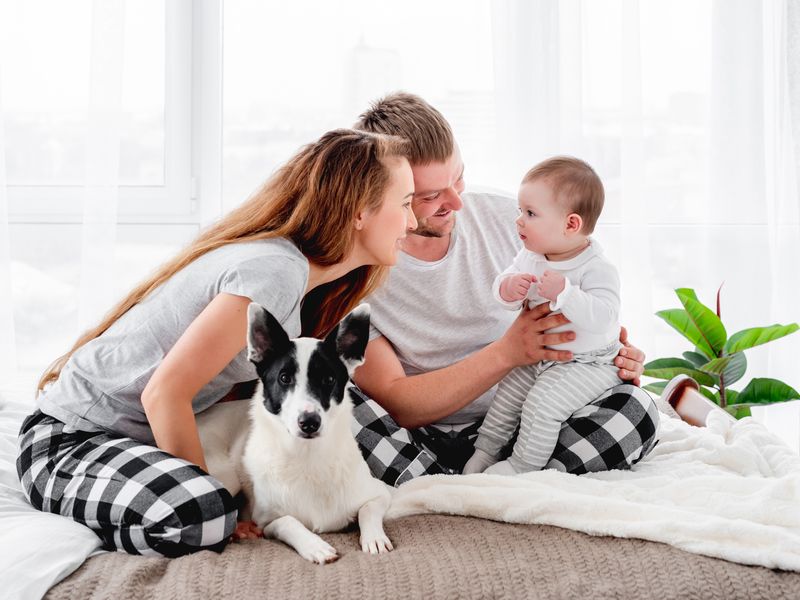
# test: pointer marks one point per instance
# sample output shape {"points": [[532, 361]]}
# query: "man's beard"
{"points": [[424, 230]]}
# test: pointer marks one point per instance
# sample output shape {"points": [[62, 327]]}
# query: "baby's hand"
{"points": [[550, 285], [515, 288]]}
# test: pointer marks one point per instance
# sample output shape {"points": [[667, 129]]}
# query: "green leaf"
{"points": [[705, 319], [739, 411], [732, 368], [709, 394], [680, 321], [765, 391], [697, 359], [656, 387], [667, 368], [730, 397], [666, 363], [756, 336], [716, 366]]}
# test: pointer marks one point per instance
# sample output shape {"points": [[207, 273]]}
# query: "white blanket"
{"points": [[730, 490]]}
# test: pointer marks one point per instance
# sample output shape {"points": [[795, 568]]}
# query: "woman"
{"points": [[114, 443]]}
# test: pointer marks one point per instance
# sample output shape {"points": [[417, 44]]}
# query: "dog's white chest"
{"points": [[297, 463], [324, 497]]}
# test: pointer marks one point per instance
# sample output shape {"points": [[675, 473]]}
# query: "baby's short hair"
{"points": [[575, 184]]}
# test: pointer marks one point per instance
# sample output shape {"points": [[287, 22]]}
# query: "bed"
{"points": [[517, 550]]}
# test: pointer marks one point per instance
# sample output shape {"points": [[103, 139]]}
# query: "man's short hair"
{"points": [[410, 117], [575, 184]]}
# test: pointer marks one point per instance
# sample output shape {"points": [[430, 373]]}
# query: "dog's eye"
{"points": [[285, 378], [329, 381]]}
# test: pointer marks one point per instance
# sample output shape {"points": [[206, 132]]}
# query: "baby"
{"points": [[560, 200]]}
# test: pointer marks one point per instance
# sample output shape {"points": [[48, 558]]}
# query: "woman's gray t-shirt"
{"points": [[100, 387]]}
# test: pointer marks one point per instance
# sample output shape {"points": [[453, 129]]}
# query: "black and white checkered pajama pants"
{"points": [[614, 432], [137, 498]]}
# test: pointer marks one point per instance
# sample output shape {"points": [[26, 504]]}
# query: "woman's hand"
{"points": [[247, 530], [630, 360], [524, 343]]}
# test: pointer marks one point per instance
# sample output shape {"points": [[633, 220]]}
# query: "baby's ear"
{"points": [[574, 223]]}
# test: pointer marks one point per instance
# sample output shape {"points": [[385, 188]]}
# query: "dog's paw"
{"points": [[378, 544], [318, 551]]}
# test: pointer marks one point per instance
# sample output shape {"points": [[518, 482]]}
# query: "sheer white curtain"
{"points": [[102, 161], [8, 350], [689, 109], [92, 294], [684, 109]]}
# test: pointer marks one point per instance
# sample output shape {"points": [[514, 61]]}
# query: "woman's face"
{"points": [[383, 229]]}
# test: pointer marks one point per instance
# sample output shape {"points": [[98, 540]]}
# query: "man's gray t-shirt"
{"points": [[101, 385], [437, 313]]}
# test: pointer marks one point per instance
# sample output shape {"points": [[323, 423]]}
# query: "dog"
{"points": [[289, 448]]}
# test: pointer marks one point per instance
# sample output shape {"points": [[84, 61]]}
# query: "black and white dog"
{"points": [[295, 457]]}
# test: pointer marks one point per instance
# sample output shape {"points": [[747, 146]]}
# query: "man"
{"points": [[439, 343]]}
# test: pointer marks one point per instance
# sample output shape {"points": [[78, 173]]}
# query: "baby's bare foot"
{"points": [[501, 468]]}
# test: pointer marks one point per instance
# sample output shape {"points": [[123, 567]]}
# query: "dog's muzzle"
{"points": [[309, 423]]}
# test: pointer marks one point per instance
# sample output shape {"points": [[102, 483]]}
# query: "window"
{"points": [[293, 70], [47, 96]]}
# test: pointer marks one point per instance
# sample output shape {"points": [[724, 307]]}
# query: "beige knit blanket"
{"points": [[440, 556], [436, 557]]}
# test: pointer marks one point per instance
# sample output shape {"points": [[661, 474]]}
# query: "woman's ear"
{"points": [[574, 223], [359, 221]]}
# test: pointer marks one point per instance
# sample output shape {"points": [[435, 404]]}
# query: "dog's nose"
{"points": [[309, 422]]}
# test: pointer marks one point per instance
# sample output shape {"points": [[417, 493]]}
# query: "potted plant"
{"points": [[718, 361]]}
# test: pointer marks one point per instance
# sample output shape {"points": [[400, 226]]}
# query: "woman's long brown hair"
{"points": [[313, 201]]}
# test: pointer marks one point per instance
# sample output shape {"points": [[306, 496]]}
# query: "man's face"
{"points": [[437, 195]]}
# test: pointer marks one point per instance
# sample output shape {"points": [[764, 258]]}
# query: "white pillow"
{"points": [[37, 550]]}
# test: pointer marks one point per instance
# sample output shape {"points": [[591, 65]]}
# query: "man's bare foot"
{"points": [[247, 530]]}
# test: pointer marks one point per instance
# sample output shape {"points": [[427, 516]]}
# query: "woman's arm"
{"points": [[210, 342]]}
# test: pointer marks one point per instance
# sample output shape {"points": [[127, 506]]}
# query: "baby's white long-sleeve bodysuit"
{"points": [[540, 397]]}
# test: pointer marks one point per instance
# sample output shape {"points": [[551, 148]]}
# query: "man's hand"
{"points": [[524, 343], [550, 285], [630, 360], [515, 287]]}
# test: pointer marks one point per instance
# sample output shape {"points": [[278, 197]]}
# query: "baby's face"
{"points": [[542, 223]]}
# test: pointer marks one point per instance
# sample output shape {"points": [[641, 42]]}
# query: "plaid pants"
{"points": [[135, 497], [614, 432]]}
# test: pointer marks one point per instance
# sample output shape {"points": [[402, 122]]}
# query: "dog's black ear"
{"points": [[349, 338], [265, 336]]}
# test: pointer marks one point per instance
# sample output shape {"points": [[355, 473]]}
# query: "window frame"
{"points": [[192, 136]]}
